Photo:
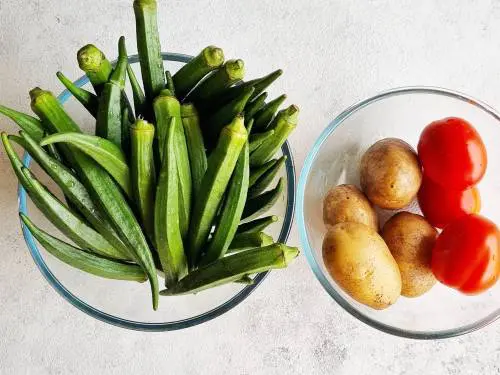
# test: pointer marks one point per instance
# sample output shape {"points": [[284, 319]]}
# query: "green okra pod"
{"points": [[143, 172], [232, 209], [246, 241], [254, 106], [265, 115], [260, 204], [95, 65], [167, 230], [233, 267], [266, 179], [109, 116], [73, 189], [89, 100], [247, 280], [137, 92], [187, 77], [104, 152], [260, 84], [83, 260], [167, 110], [224, 115], [27, 123], [195, 144], [258, 172], [257, 225], [100, 185], [231, 72], [283, 124], [221, 164], [257, 139], [149, 48]]}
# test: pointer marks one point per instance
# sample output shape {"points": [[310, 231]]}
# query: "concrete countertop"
{"points": [[334, 53]]}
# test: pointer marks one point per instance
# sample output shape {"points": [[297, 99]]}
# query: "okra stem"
{"points": [[95, 65], [186, 78]]}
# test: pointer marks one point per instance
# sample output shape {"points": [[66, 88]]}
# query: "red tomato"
{"points": [[466, 255], [441, 206], [452, 153]]}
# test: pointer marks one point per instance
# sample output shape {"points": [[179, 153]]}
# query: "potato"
{"points": [[410, 239], [390, 173], [346, 203], [359, 261]]}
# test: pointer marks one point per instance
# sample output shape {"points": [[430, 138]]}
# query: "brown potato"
{"points": [[346, 203], [359, 261], [390, 173], [410, 239]]}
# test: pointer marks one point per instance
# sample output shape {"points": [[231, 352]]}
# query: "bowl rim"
{"points": [[309, 252], [166, 326]]}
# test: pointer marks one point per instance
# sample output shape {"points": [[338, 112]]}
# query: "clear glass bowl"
{"points": [[334, 159], [128, 304]]}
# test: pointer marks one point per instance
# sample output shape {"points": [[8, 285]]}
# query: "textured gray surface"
{"points": [[334, 52]]}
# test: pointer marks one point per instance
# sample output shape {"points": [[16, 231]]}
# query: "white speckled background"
{"points": [[334, 53]]}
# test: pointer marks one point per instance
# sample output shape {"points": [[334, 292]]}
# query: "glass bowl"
{"points": [[128, 304], [334, 159]]}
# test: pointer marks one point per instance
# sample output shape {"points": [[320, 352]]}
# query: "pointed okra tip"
{"points": [[122, 48], [235, 69], [214, 56], [90, 58]]}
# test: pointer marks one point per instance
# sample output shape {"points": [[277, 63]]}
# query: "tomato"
{"points": [[466, 255], [441, 206], [452, 153]]}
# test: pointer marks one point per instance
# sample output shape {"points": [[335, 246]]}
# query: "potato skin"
{"points": [[360, 262], [390, 173], [346, 203], [410, 239]]}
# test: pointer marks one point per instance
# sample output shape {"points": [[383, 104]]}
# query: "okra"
{"points": [[167, 110], [125, 131], [234, 267], [224, 115], [256, 225], [59, 215], [257, 139], [258, 172], [266, 179], [187, 77], [109, 116], [137, 92], [260, 204], [73, 189], [143, 172], [100, 185], [260, 84], [170, 82], [104, 152], [221, 164], [195, 145], [89, 100], [231, 211], [231, 72], [83, 260], [245, 241], [29, 124], [284, 123], [254, 106], [168, 237], [148, 46], [95, 65], [265, 115]]}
